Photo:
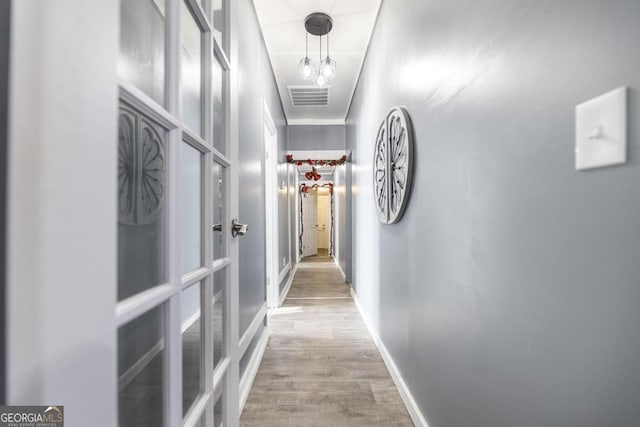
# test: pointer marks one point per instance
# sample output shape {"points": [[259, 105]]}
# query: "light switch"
{"points": [[601, 130]]}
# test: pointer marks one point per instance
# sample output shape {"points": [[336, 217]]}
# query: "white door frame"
{"points": [[271, 209], [326, 200]]}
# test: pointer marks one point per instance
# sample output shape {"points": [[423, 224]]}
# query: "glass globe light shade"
{"points": [[328, 68], [307, 69], [321, 80]]}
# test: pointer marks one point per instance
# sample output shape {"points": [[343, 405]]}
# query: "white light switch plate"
{"points": [[601, 130]]}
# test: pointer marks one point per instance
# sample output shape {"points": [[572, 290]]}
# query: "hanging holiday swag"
{"points": [[313, 175], [341, 161]]}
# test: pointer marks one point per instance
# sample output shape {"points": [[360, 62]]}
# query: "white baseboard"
{"points": [[139, 366], [190, 321], [284, 272], [344, 276], [412, 407], [252, 368], [287, 288], [252, 329]]}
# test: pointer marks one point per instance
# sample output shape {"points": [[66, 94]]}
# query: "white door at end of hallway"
{"points": [[309, 223], [323, 221]]}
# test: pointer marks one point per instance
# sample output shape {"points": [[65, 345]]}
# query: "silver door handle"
{"points": [[238, 229], [217, 227]]}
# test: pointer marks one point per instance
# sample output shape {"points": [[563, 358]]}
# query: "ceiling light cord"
{"points": [[327, 45], [321, 80], [307, 68]]}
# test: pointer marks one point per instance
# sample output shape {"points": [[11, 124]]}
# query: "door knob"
{"points": [[238, 228]]}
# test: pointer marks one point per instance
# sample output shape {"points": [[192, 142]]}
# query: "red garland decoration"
{"points": [[341, 161], [304, 188]]}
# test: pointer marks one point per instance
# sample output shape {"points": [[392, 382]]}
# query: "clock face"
{"points": [[393, 165]]}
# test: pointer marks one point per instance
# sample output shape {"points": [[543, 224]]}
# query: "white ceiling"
{"points": [[282, 23]]}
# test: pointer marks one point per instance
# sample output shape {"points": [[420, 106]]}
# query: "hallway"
{"points": [[472, 168], [321, 366]]}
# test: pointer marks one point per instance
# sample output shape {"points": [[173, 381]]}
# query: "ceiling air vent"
{"points": [[308, 96]]}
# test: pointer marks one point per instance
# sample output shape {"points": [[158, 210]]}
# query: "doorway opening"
{"points": [[315, 175], [316, 219]]}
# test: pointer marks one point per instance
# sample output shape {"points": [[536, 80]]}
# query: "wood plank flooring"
{"points": [[321, 367]]}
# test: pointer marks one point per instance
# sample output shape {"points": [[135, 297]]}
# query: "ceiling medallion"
{"points": [[393, 165]]}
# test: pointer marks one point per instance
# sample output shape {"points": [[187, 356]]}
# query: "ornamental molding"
{"points": [[393, 165]]}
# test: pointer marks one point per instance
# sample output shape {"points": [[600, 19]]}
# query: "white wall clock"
{"points": [[393, 165]]}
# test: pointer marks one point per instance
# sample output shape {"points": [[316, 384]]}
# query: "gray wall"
{"points": [[316, 137], [342, 233], [512, 298], [254, 71]]}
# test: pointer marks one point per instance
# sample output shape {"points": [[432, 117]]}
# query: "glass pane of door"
{"points": [[219, 250], [141, 369], [191, 209], [142, 46], [219, 141], [219, 315], [191, 345], [191, 72], [217, 20], [218, 409], [142, 219]]}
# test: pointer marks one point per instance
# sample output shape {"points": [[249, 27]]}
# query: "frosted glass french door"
{"points": [[175, 310]]}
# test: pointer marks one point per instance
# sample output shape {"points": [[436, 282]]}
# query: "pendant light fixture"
{"points": [[317, 24], [328, 65], [307, 68]]}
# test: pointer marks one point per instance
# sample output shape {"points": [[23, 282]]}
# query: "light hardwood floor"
{"points": [[321, 367]]}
